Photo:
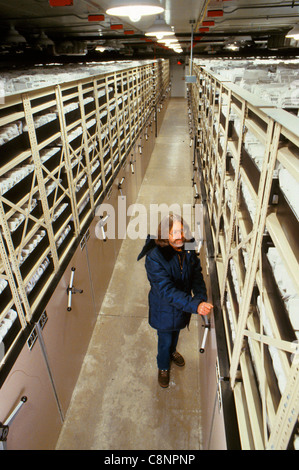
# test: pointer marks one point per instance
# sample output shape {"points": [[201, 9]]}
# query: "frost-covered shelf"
{"points": [[63, 139], [263, 79], [248, 152]]}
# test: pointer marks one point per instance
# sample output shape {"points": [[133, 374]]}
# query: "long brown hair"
{"points": [[165, 227]]}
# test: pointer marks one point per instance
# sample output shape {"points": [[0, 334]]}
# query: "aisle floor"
{"points": [[117, 403]]}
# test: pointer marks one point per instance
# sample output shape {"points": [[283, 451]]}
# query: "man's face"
{"points": [[176, 236]]}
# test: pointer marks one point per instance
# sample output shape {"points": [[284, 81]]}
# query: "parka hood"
{"points": [[149, 245], [167, 251]]}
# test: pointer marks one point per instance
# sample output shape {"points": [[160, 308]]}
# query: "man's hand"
{"points": [[204, 308]]}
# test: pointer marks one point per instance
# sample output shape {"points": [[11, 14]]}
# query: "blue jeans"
{"points": [[167, 342]]}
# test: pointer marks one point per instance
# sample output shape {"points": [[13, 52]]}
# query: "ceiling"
{"points": [[256, 27]]}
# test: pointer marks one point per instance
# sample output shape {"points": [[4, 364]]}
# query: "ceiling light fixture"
{"points": [[232, 47], [134, 9], [159, 29], [176, 48], [14, 37], [294, 33], [168, 41], [44, 41]]}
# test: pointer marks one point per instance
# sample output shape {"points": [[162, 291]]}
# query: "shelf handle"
{"points": [[132, 166], [207, 327], [72, 290], [4, 427], [196, 190], [100, 225], [193, 175], [119, 187], [196, 195], [200, 238]]}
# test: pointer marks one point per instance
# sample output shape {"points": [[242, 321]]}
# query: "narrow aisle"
{"points": [[117, 403]]}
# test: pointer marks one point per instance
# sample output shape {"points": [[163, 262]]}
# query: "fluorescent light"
{"points": [[159, 29], [233, 47], [134, 9], [167, 41], [294, 33]]}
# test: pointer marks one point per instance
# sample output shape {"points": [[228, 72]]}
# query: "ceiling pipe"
{"points": [[202, 15], [263, 6], [191, 52]]}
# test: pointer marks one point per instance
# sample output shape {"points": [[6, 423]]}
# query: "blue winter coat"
{"points": [[174, 295]]}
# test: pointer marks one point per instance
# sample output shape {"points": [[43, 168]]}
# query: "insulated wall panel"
{"points": [[70, 323], [161, 108], [29, 377], [212, 421], [101, 253]]}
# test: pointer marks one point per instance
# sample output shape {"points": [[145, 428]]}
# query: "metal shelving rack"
{"points": [[69, 142], [243, 149]]}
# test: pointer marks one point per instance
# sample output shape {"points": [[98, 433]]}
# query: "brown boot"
{"points": [[163, 378], [178, 359]]}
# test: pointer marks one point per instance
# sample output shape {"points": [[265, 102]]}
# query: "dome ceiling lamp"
{"points": [[134, 9], [159, 29], [14, 37], [171, 43], [175, 48], [44, 41], [168, 42]]}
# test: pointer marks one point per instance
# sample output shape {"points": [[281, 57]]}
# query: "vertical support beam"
{"points": [[68, 167], [287, 413], [85, 144], [99, 128], [40, 178], [130, 105], [236, 189], [257, 236], [11, 272], [109, 123], [117, 118], [223, 166]]}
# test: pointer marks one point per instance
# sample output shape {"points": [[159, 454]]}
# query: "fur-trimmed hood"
{"points": [[176, 288]]}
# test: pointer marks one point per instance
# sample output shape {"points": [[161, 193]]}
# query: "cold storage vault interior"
{"points": [[65, 150]]}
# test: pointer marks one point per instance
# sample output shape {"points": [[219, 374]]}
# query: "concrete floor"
{"points": [[117, 403]]}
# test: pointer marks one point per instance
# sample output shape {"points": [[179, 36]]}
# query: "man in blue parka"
{"points": [[177, 289]]}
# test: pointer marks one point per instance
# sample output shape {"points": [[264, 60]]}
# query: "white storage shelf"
{"points": [[60, 149], [249, 154]]}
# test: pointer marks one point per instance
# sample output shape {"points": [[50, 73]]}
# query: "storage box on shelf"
{"points": [[271, 80], [247, 151], [61, 148]]}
